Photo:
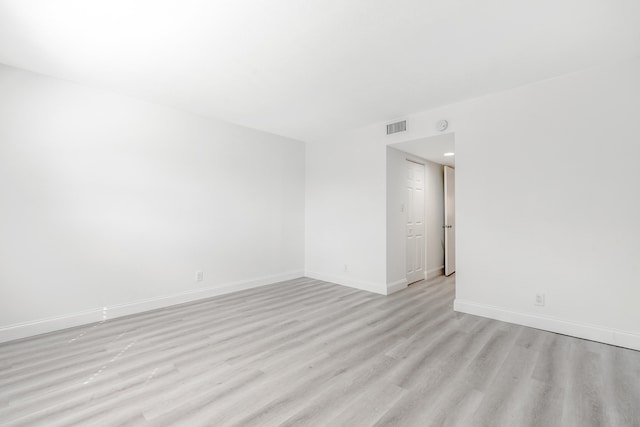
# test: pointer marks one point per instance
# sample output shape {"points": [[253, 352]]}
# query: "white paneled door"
{"points": [[415, 222], [449, 221]]}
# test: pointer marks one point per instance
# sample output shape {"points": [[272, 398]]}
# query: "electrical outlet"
{"points": [[346, 268], [540, 299], [199, 276]]}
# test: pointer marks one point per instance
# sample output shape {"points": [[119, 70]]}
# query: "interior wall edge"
{"points": [[51, 324], [587, 331]]}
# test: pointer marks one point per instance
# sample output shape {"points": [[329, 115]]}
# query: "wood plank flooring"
{"points": [[310, 353]]}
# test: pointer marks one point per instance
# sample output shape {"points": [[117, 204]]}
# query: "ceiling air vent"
{"points": [[397, 127]]}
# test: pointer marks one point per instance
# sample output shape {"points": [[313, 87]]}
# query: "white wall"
{"points": [[547, 201], [396, 217], [343, 215], [107, 201], [547, 184]]}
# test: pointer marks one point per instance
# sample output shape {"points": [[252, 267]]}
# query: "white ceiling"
{"points": [[310, 68], [431, 148]]}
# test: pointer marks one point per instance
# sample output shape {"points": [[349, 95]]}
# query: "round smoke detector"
{"points": [[442, 125]]}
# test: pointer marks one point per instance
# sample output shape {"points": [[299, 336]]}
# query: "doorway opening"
{"points": [[420, 210]]}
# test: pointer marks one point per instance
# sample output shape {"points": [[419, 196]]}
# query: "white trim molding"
{"points": [[56, 323], [435, 272], [377, 288], [396, 286], [553, 324]]}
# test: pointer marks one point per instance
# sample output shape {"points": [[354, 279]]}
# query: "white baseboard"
{"points": [[344, 281], [396, 286], [548, 323], [435, 272], [50, 324], [401, 284]]}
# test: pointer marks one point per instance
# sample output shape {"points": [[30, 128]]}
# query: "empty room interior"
{"points": [[320, 213]]}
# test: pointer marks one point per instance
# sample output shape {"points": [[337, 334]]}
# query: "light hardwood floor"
{"points": [[310, 353]]}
